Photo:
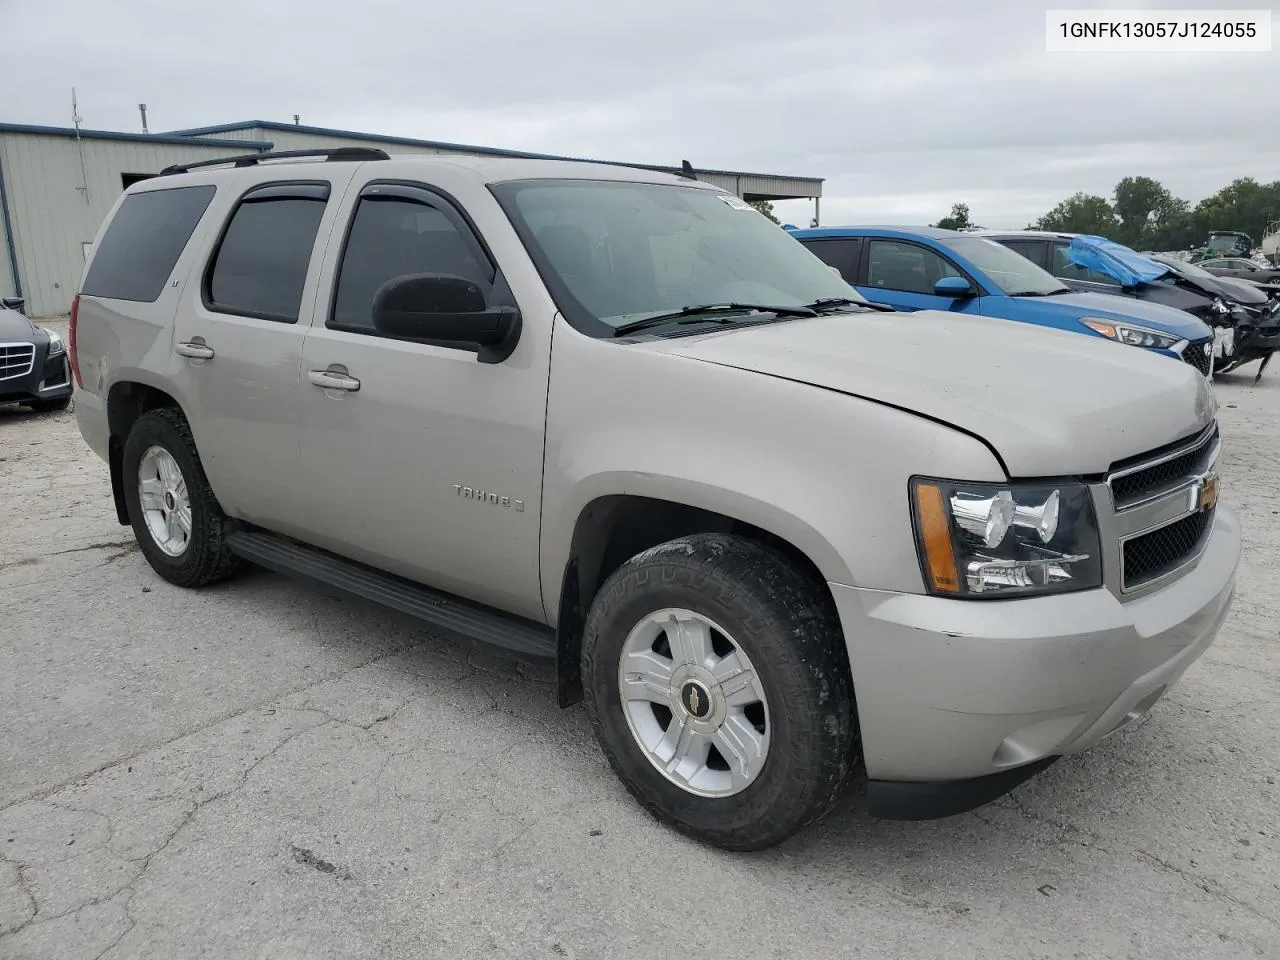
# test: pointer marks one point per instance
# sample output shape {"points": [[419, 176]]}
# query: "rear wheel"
{"points": [[175, 516], [718, 686]]}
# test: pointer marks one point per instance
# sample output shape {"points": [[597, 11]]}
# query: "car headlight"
{"points": [[1131, 334], [990, 541], [56, 346]]}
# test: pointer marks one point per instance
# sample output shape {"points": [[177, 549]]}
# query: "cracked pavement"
{"points": [[260, 770]]}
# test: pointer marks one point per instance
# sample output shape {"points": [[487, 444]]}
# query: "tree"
{"points": [[765, 207], [1147, 210], [958, 219], [1080, 213]]}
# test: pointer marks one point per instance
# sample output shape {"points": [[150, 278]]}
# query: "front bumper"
{"points": [[951, 690], [48, 378]]}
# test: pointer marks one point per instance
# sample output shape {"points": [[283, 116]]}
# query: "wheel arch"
{"points": [[127, 400], [613, 528]]}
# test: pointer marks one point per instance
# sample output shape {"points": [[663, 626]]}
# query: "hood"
{"points": [[1242, 291], [1051, 403], [1158, 316], [14, 326]]}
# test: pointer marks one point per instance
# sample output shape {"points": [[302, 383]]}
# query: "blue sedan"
{"points": [[926, 268]]}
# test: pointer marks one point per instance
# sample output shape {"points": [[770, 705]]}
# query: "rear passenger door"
{"points": [[238, 343], [901, 273]]}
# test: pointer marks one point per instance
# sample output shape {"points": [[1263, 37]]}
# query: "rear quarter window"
{"points": [[144, 240]]}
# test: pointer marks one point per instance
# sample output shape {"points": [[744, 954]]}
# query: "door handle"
{"points": [[195, 349], [332, 379]]}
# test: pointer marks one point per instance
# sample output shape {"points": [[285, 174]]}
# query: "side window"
{"points": [[141, 246], [838, 252], [895, 265], [394, 234], [1064, 269], [1025, 248], [260, 265]]}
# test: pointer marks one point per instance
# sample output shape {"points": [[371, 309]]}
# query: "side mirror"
{"points": [[448, 311], [13, 303], [956, 287]]}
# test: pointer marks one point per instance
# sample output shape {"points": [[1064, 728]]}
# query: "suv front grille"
{"points": [[1154, 554], [16, 359], [1200, 355], [1182, 462]]}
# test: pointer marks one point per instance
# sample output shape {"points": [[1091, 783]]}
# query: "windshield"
{"points": [[1188, 269], [1014, 274], [625, 251]]}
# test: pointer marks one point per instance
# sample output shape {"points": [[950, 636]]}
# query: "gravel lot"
{"points": [[262, 771]]}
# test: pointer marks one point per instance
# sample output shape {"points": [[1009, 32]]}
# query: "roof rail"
{"points": [[253, 159]]}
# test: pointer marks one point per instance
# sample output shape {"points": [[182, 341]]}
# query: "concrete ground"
{"points": [[262, 771]]}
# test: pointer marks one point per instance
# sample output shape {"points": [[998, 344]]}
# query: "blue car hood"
{"points": [[1115, 260], [1142, 312]]}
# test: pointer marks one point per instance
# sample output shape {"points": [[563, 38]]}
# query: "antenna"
{"points": [[142, 109], [686, 170], [76, 121]]}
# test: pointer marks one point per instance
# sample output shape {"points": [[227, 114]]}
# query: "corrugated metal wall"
{"points": [[54, 217]]}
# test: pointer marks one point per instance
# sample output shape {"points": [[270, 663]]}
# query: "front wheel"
{"points": [[717, 683]]}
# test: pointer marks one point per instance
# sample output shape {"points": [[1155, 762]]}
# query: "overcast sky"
{"points": [[904, 107]]}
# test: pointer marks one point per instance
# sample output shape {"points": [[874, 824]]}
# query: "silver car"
{"points": [[617, 419]]}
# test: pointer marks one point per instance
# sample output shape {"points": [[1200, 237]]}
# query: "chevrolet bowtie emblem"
{"points": [[1207, 498]]}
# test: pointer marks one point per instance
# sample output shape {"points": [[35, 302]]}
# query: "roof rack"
{"points": [[253, 159]]}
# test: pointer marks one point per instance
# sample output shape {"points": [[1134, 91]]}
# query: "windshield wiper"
{"points": [[694, 314], [825, 303], [1039, 293]]}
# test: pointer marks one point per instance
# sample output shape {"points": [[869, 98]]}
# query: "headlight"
{"points": [[1131, 334], [56, 346], [1220, 306], [989, 541]]}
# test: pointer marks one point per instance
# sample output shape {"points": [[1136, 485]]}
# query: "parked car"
{"points": [[918, 268], [33, 361], [732, 497], [1242, 269], [1098, 265]]}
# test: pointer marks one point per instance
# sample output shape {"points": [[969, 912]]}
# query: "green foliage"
{"points": [[765, 207], [1145, 215], [958, 219], [1081, 213]]}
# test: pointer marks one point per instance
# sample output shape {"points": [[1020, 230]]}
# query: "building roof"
{"points": [[440, 145], [168, 138]]}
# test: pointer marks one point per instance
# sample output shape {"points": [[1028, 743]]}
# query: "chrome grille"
{"points": [[1162, 470], [16, 359], [1164, 503], [1200, 355], [1152, 555]]}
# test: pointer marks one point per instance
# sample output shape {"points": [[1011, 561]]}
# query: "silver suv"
{"points": [[617, 418]]}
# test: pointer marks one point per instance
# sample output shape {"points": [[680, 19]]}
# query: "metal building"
{"points": [[58, 183]]}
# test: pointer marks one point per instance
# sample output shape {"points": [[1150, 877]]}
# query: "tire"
{"points": [[758, 602], [204, 557], [50, 406]]}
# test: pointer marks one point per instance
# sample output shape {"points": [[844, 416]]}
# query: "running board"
{"points": [[442, 611]]}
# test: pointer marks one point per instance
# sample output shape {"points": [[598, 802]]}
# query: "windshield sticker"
{"points": [[735, 201]]}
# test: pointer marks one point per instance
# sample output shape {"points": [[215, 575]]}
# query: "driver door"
{"points": [[902, 274]]}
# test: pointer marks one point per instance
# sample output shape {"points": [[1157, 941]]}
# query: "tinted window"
{"points": [[391, 237], [143, 242], [841, 253], [1064, 268], [261, 264], [895, 265], [1024, 248]]}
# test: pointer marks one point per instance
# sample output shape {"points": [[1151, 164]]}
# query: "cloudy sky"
{"points": [[904, 108]]}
